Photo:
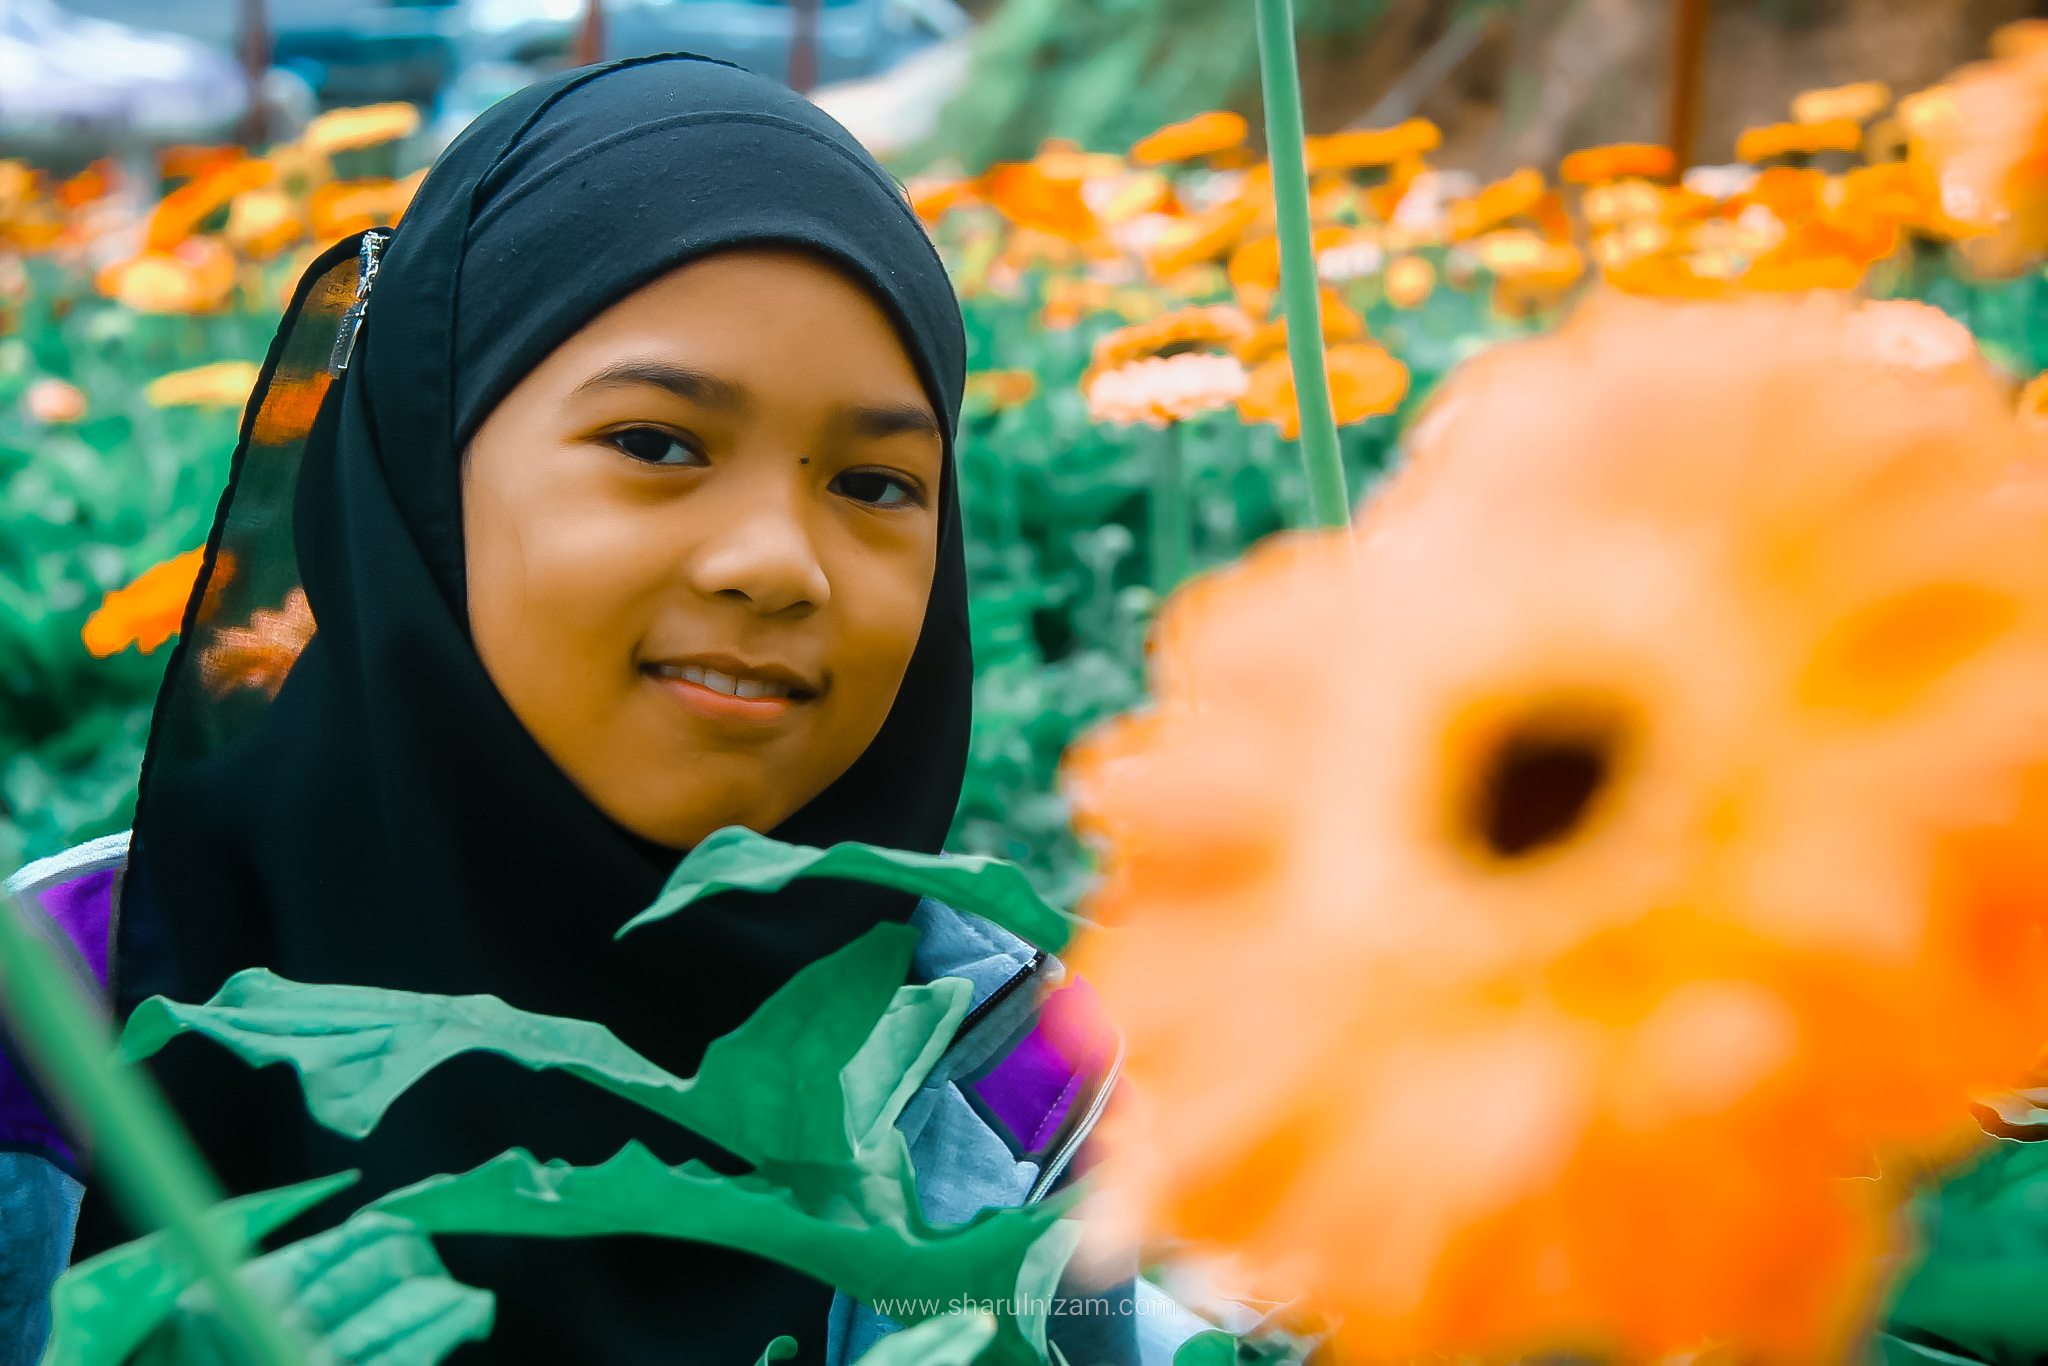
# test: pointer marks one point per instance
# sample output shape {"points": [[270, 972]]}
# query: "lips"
{"points": [[728, 689]]}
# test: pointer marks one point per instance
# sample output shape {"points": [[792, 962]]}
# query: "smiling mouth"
{"points": [[731, 685]]}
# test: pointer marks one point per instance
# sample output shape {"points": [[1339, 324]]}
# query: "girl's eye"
{"points": [[654, 446], [877, 488]]}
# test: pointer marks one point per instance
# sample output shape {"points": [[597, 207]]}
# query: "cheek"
{"points": [[883, 601]]}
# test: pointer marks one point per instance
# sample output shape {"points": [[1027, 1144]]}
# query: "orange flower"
{"points": [[260, 654], [343, 130], [1030, 198], [1595, 165], [933, 197], [1856, 103], [54, 401], [195, 276], [1785, 139], [1215, 327], [1409, 281], [1340, 323], [991, 391], [223, 384], [1620, 201], [1202, 135], [1372, 146], [2032, 405], [148, 611], [1200, 237], [1787, 191], [1364, 382], [181, 211], [1524, 910], [263, 222], [1980, 137], [341, 207], [1497, 203], [1162, 389], [1255, 267], [1816, 255]]}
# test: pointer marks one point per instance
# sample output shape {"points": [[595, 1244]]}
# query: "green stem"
{"points": [[138, 1149], [1299, 290], [1171, 536]]}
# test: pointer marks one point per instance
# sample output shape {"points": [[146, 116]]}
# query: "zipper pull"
{"points": [[352, 320]]}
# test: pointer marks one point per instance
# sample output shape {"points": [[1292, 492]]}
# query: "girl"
{"points": [[611, 503]]}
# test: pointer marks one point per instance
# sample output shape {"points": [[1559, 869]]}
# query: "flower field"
{"points": [[1130, 415]]}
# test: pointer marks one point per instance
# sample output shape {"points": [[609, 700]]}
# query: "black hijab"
{"points": [[385, 819]]}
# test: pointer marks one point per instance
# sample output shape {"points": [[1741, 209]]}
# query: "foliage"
{"points": [[807, 1091]]}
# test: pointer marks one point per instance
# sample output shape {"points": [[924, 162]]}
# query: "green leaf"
{"points": [[1213, 1348], [1982, 1278], [768, 1091], [102, 1310], [855, 1226], [737, 859], [780, 1349], [1886, 1350], [950, 1340]]}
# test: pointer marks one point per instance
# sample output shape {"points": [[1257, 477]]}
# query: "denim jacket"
{"points": [[1001, 1121]]}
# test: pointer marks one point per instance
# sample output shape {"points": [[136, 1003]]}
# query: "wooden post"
{"points": [[803, 45], [255, 127], [1688, 44], [590, 34]]}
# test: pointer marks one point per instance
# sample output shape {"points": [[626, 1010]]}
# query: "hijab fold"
{"points": [[382, 817]]}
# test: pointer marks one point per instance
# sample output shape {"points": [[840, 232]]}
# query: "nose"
{"points": [[763, 555]]}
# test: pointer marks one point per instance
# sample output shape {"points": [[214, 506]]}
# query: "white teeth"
{"points": [[725, 683]]}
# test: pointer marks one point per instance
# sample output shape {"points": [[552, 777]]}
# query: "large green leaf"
{"points": [[737, 859], [1981, 1284], [768, 1091], [855, 1226], [101, 1310]]}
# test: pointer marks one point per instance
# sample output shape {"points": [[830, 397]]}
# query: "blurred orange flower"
{"points": [[933, 197], [223, 384], [341, 207], [1340, 323], [1200, 237], [1365, 381], [991, 391], [1409, 281], [260, 654], [1523, 910], [54, 401], [1214, 327], [1030, 198], [195, 276], [1855, 103], [1786, 139], [1372, 146], [1202, 135], [148, 611], [344, 130], [1980, 137], [1593, 165], [180, 212], [1162, 389], [2032, 406], [1505, 198]]}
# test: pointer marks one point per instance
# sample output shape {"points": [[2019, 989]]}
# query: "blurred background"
{"points": [[168, 168]]}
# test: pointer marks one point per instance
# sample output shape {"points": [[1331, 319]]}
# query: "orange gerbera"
{"points": [[1523, 910], [932, 197], [1982, 137], [2032, 406], [1365, 147], [148, 611], [1505, 198], [1203, 135], [1365, 381], [341, 207], [1786, 139], [181, 211], [1030, 198], [1340, 323], [1852, 103], [1213, 327], [223, 384], [1200, 237], [1594, 165], [368, 125]]}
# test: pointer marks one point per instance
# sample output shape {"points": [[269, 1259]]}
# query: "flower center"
{"points": [[1539, 785]]}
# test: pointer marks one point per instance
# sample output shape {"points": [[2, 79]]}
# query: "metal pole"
{"points": [[1328, 501], [803, 45], [137, 1147]]}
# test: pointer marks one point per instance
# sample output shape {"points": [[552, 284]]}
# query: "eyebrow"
{"points": [[895, 420], [696, 386]]}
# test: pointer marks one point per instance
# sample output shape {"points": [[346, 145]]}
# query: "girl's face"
{"points": [[701, 535]]}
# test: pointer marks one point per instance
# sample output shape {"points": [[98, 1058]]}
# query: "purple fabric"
{"points": [[1030, 1089], [83, 907]]}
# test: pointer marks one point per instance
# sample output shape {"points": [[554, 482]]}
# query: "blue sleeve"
{"points": [[38, 1211]]}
